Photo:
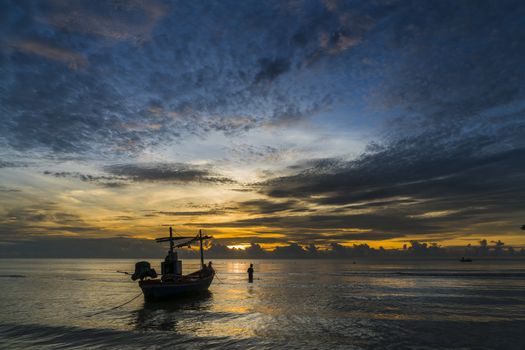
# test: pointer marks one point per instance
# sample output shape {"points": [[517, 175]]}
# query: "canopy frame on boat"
{"points": [[190, 239]]}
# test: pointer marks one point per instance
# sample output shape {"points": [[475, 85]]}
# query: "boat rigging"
{"points": [[172, 282]]}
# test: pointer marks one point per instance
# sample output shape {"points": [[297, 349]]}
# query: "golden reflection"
{"points": [[236, 266]]}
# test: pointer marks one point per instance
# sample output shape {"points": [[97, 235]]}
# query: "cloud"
{"points": [[77, 247], [72, 59], [11, 164], [134, 20], [393, 225], [104, 110], [170, 172], [42, 219], [439, 87], [230, 125], [338, 41], [120, 175], [453, 83], [192, 213], [8, 189], [271, 69], [106, 181], [245, 153], [304, 236], [435, 178], [263, 206]]}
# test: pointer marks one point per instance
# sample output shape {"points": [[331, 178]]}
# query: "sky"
{"points": [[268, 122]]}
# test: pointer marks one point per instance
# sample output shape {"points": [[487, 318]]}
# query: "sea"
{"points": [[291, 304]]}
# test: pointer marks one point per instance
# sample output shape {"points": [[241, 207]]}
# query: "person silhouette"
{"points": [[250, 273]]}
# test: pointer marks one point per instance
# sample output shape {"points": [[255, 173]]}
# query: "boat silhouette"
{"points": [[172, 283]]}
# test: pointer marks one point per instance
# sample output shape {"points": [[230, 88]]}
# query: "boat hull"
{"points": [[158, 290]]}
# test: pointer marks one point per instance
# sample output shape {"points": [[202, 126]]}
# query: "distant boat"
{"points": [[172, 284], [463, 259]]}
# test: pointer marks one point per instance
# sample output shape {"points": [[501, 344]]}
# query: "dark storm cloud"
{"points": [[170, 172]]}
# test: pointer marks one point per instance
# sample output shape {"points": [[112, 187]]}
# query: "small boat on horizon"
{"points": [[172, 283], [463, 259]]}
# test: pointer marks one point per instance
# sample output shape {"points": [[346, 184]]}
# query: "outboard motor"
{"points": [[142, 270]]}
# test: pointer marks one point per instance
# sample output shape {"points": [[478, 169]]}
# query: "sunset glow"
{"points": [[321, 123]]}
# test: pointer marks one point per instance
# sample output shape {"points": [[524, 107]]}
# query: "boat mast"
{"points": [[171, 240], [202, 253], [190, 239]]}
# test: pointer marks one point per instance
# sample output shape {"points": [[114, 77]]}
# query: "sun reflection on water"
{"points": [[327, 302]]}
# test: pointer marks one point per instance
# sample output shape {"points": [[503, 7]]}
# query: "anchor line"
{"points": [[116, 307], [217, 275]]}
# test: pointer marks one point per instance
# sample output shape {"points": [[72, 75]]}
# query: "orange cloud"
{"points": [[75, 18], [73, 59]]}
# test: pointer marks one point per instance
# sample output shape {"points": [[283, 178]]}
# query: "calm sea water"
{"points": [[49, 304]]}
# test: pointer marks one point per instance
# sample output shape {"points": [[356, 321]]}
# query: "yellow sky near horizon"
{"points": [[45, 205]]}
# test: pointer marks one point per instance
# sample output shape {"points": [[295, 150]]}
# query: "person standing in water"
{"points": [[250, 273]]}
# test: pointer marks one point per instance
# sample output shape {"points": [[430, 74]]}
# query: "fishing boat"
{"points": [[172, 283]]}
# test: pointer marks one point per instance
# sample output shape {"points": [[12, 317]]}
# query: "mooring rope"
{"points": [[217, 275], [116, 307], [135, 297]]}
